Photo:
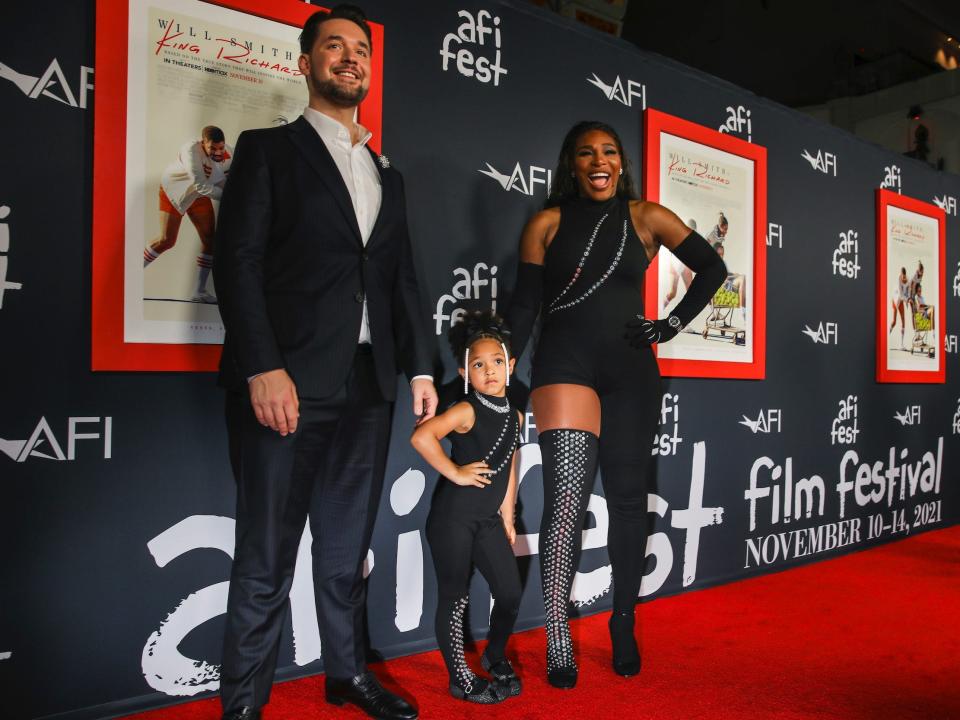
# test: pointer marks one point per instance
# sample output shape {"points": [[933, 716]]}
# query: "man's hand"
{"points": [[424, 399], [274, 399]]}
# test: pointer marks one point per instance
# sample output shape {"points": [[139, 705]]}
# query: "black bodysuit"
{"points": [[464, 529], [581, 340], [592, 286]]}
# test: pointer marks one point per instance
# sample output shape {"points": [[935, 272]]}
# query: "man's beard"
{"points": [[334, 93]]}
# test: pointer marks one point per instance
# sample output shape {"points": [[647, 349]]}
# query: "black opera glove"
{"points": [[643, 332]]}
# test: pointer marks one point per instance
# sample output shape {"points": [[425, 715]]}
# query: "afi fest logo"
{"points": [[43, 442], [52, 84], [956, 282], [623, 93], [467, 286], [5, 248], [774, 235], [825, 334], [766, 422], [909, 416], [950, 344], [470, 47], [845, 428], [167, 670], [891, 178], [666, 443], [739, 122], [843, 264], [947, 203], [524, 181], [956, 419], [823, 161]]}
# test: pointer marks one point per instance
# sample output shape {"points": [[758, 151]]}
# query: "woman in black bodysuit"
{"points": [[595, 384], [471, 520]]}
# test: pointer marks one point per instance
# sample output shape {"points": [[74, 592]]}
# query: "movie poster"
{"points": [[713, 193], [199, 74], [912, 277]]}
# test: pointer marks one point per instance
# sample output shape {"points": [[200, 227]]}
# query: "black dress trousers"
{"points": [[332, 468]]}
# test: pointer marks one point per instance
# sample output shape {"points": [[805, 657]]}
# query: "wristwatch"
{"points": [[674, 322]]}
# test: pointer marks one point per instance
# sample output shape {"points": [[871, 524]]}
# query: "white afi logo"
{"points": [[823, 161], [774, 233], [666, 443], [620, 92], [467, 286], [909, 416], [842, 263], [51, 84], [956, 419], [956, 282], [950, 343], [891, 178], [738, 121], [42, 442], [826, 333], [947, 203], [524, 182], [844, 429], [766, 422], [5, 248], [473, 32]]}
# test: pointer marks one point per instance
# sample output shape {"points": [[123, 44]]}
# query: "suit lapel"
{"points": [[318, 157], [386, 196]]}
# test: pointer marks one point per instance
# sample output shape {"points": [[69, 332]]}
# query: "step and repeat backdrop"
{"points": [[117, 500]]}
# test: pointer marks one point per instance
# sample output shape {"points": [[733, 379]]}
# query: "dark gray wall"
{"points": [[115, 567]]}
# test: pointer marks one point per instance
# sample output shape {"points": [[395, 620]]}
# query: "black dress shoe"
{"points": [[244, 713], [626, 657], [366, 692], [503, 673]]}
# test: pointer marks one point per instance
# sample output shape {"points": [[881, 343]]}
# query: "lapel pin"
{"points": [[384, 161]]}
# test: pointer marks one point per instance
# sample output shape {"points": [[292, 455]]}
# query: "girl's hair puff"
{"points": [[477, 325]]}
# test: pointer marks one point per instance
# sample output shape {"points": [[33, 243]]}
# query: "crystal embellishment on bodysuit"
{"points": [[557, 553], [609, 271], [583, 259], [464, 675]]}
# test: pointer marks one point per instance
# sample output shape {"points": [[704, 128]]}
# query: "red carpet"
{"points": [[871, 635]]}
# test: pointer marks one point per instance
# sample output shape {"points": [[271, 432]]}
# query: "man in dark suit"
{"points": [[315, 277]]}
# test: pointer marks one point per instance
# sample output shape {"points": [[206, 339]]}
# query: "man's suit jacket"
{"points": [[291, 271]]}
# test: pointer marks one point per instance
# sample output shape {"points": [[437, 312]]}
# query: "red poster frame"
{"points": [[885, 200], [109, 351], [656, 123]]}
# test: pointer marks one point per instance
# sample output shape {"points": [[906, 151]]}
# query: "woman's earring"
{"points": [[466, 371], [621, 171]]}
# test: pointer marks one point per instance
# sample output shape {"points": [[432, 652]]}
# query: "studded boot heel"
{"points": [[569, 464]]}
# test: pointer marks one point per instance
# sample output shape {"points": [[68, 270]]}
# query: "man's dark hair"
{"points": [[311, 28], [212, 133]]}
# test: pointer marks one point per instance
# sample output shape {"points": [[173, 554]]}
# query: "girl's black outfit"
{"points": [[587, 291], [464, 529]]}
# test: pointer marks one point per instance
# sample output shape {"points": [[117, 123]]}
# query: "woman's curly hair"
{"points": [[476, 325]]}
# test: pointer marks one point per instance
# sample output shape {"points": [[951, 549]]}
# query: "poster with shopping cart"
{"points": [[716, 184], [911, 290]]}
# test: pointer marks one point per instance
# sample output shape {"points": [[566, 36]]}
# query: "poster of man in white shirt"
{"points": [[199, 75], [189, 186]]}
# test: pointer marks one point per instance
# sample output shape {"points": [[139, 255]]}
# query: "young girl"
{"points": [[471, 518]]}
